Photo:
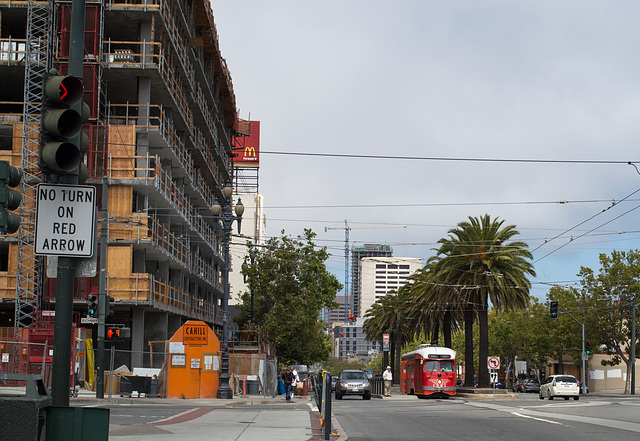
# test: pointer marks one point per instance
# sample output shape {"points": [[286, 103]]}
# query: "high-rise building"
{"points": [[381, 275], [357, 253]]}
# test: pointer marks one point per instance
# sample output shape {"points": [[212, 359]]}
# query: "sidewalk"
{"points": [[238, 419]]}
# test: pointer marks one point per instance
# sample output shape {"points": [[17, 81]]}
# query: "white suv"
{"points": [[561, 385]]}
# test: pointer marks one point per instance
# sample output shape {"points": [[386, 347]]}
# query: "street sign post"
{"points": [[65, 220]]}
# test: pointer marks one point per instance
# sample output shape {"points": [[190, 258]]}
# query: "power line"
{"points": [[436, 158]]}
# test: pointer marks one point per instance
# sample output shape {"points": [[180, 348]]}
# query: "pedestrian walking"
{"points": [[287, 378], [387, 377], [294, 382]]}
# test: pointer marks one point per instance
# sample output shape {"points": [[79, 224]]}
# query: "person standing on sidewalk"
{"points": [[294, 382], [387, 377], [287, 378]]}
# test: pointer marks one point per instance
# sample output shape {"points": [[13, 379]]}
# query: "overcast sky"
{"points": [[555, 81]]}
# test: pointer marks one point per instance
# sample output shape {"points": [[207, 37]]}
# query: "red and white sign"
{"points": [[385, 338], [247, 148], [493, 363]]}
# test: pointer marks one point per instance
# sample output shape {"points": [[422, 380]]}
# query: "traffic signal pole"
{"points": [[102, 294], [63, 336]]}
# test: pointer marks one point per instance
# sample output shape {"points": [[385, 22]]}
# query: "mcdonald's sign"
{"points": [[247, 148]]}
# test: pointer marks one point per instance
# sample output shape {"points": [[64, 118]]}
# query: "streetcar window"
{"points": [[446, 366], [431, 365], [438, 366]]}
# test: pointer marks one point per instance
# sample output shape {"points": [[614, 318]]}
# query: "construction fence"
{"points": [[251, 373]]}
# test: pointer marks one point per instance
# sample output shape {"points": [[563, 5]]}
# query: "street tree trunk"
{"points": [[468, 346]]}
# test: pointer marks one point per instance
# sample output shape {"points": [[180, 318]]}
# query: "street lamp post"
{"points": [[225, 216]]}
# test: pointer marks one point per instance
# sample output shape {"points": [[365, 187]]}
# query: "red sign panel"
{"points": [[247, 148]]}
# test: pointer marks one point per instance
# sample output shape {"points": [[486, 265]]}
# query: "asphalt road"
{"points": [[523, 418]]}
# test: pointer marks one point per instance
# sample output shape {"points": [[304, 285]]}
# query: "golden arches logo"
{"points": [[249, 152]]}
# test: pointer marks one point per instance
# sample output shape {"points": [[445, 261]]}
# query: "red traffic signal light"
{"points": [[60, 124]]}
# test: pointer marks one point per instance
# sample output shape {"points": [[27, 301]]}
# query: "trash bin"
{"points": [[281, 390], [125, 386], [77, 423], [153, 389], [24, 416], [253, 387]]}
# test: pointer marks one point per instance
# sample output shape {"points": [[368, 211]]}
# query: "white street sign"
{"points": [[88, 320], [493, 363], [65, 220]]}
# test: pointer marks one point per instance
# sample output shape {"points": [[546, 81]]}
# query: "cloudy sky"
{"points": [[414, 98]]}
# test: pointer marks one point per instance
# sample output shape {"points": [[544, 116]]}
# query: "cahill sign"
{"points": [[195, 334]]}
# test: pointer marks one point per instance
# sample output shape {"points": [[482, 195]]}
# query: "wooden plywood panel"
{"points": [[120, 199], [119, 260], [122, 151]]}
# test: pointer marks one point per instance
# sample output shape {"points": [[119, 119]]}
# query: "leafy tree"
{"points": [[565, 333], [520, 333], [291, 285], [478, 259], [609, 296]]}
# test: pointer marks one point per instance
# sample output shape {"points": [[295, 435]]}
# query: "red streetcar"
{"points": [[429, 371]]}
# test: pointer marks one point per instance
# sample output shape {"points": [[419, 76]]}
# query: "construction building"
{"points": [[163, 123], [357, 253]]}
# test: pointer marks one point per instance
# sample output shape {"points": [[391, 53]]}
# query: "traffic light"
{"points": [[108, 307], [117, 333], [9, 198], [587, 347], [60, 125], [93, 305], [553, 309]]}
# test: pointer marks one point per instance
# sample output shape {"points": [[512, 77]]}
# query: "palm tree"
{"points": [[478, 259], [434, 306], [390, 313]]}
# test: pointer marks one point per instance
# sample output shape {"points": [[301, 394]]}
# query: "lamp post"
{"points": [[225, 216]]}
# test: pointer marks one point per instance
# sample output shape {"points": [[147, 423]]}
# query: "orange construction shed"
{"points": [[193, 362]]}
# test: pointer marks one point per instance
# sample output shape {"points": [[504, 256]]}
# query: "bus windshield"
{"points": [[438, 366]]}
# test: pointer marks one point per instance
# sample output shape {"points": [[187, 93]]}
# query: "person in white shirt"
{"points": [[294, 382], [387, 376]]}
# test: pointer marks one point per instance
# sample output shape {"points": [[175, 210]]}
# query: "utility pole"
{"points": [[633, 345], [102, 293]]}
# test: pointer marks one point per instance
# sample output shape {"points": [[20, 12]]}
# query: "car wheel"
{"points": [[338, 396], [366, 397], [549, 395], [576, 398], [566, 398]]}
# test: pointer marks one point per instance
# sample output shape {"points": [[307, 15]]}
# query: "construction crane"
{"points": [[347, 312]]}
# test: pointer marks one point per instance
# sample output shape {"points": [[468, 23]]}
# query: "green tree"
{"points": [[291, 284], [391, 315], [478, 260], [434, 306], [521, 334], [609, 296]]}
